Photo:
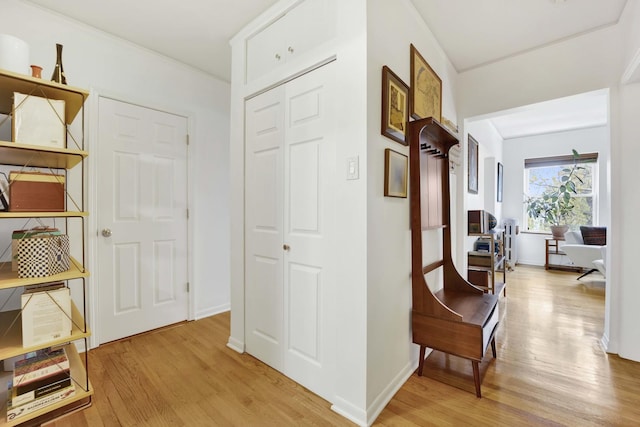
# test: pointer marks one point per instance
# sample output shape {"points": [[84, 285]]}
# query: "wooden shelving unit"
{"points": [[36, 156], [552, 248], [484, 276], [459, 319]]}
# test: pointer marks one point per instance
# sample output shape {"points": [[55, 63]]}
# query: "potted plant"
{"points": [[555, 203]]}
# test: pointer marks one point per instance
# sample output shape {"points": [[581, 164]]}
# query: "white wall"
{"points": [[490, 152], [391, 356], [624, 194], [577, 65], [516, 150], [110, 66]]}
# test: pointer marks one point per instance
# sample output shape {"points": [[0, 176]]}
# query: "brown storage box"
{"points": [[478, 258], [480, 278], [36, 192]]}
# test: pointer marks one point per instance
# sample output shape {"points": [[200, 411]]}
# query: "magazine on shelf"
{"points": [[46, 314]]}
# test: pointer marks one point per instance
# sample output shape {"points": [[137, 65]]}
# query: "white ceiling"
{"points": [[195, 32], [472, 33], [570, 113]]}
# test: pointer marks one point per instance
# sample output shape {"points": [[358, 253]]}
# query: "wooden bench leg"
{"points": [[476, 377], [421, 362]]}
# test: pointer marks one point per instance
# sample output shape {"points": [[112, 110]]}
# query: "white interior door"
{"points": [[264, 227], [290, 173], [142, 219]]}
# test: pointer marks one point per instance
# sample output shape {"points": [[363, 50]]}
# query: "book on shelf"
{"points": [[40, 364], [16, 411], [38, 389], [46, 314]]}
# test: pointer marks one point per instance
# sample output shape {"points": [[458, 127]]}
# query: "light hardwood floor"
{"points": [[550, 371]]}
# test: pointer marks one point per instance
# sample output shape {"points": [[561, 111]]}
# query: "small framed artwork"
{"points": [[396, 168], [473, 166], [395, 106], [426, 89], [500, 180]]}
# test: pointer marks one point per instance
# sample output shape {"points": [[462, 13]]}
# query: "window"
{"points": [[544, 176]]}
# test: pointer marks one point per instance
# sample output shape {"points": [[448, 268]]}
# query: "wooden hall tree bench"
{"points": [[459, 319]]}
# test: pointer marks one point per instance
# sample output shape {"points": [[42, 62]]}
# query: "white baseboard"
{"points": [[381, 401], [350, 412], [212, 311], [604, 342], [235, 345]]}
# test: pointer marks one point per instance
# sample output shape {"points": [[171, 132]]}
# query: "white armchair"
{"points": [[590, 257]]}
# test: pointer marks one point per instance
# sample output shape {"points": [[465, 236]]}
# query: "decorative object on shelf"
{"points": [[554, 205], [50, 304], [36, 192], [455, 158], [14, 54], [396, 167], [18, 235], [500, 182], [36, 71], [43, 256], [4, 192], [38, 121], [480, 222], [58, 71], [450, 125], [426, 89], [395, 106], [473, 166]]}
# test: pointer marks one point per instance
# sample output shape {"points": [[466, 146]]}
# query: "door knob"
{"points": [[286, 247], [106, 232]]}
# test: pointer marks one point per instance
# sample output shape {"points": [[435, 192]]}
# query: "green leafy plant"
{"points": [[555, 203]]}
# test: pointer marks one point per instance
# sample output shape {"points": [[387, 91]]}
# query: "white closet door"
{"points": [[264, 170], [290, 173], [309, 223]]}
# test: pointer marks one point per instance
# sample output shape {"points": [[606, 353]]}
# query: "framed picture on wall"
{"points": [[395, 106], [500, 180], [426, 89], [473, 166], [396, 169]]}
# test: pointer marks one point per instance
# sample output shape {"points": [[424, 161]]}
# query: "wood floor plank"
{"points": [[550, 371]]}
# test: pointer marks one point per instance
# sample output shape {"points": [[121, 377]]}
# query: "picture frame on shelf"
{"points": [[500, 182], [396, 168], [4, 192], [395, 107], [426, 88], [472, 185]]}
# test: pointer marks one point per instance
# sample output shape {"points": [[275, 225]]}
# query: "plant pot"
{"points": [[558, 231]]}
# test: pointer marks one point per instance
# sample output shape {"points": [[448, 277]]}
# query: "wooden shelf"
{"points": [[67, 214], [25, 155], [79, 376], [11, 82], [12, 338], [9, 279], [551, 248], [474, 309]]}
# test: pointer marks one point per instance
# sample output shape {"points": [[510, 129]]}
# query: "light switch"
{"points": [[353, 169]]}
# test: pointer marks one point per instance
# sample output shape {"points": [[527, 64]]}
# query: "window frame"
{"points": [[590, 159]]}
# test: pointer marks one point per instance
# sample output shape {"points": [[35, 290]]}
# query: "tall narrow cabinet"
{"points": [[24, 156]]}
